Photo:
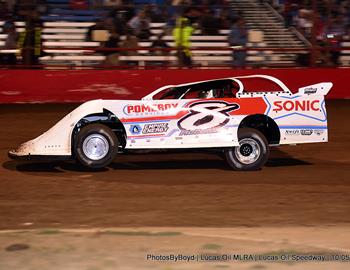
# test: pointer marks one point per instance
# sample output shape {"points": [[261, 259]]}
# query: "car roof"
{"points": [[236, 79]]}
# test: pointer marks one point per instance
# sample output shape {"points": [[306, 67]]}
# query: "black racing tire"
{"points": [[95, 146], [252, 153]]}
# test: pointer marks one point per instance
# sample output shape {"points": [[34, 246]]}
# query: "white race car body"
{"points": [[197, 122]]}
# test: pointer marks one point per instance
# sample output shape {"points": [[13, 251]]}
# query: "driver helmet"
{"points": [[207, 94]]}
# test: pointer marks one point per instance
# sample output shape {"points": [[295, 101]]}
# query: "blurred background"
{"points": [[77, 34], [55, 54]]}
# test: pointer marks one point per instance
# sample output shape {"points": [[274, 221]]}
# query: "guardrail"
{"points": [[81, 85], [143, 57]]}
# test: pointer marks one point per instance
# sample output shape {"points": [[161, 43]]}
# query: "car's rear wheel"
{"points": [[252, 152], [96, 146]]}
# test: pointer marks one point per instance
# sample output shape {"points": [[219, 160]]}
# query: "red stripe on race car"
{"points": [[155, 118], [249, 106], [147, 135], [246, 105]]}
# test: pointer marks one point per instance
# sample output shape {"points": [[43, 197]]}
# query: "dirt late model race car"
{"points": [[217, 114]]}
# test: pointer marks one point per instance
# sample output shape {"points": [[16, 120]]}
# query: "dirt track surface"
{"points": [[304, 185], [208, 248]]}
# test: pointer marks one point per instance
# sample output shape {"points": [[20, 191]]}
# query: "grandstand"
{"points": [[65, 30]]}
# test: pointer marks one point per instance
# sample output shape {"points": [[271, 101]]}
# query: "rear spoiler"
{"points": [[316, 89]]}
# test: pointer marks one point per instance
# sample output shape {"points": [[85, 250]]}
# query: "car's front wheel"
{"points": [[96, 146], [252, 152]]}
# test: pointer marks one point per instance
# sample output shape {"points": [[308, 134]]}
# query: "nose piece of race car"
{"points": [[14, 154], [22, 152], [28, 151]]}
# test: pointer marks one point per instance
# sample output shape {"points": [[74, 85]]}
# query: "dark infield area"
{"points": [[307, 185]]}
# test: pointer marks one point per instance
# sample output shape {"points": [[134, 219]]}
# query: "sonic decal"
{"points": [[296, 105]]}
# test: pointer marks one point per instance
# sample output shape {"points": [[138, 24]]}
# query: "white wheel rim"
{"points": [[248, 151], [95, 147]]}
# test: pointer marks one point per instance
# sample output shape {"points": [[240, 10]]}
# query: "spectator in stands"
{"points": [[238, 38], [144, 31], [30, 41], [290, 12], [304, 21], [99, 25], [171, 12], [336, 25], [11, 6], [155, 13], [319, 28], [10, 44], [209, 23], [130, 42], [140, 24], [118, 21], [225, 18], [193, 14], [25, 8], [108, 23], [159, 43], [334, 51], [347, 32], [128, 10], [336, 31], [182, 35], [112, 57], [4, 12]]}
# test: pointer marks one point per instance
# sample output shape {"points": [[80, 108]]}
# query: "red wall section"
{"points": [[82, 85]]}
